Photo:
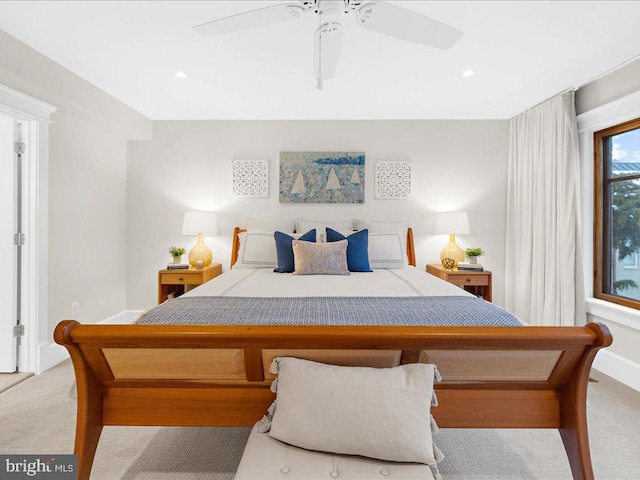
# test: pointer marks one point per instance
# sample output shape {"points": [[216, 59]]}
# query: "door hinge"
{"points": [[18, 239], [18, 331], [18, 148]]}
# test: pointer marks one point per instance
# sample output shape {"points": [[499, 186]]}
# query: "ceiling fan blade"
{"points": [[251, 19], [326, 50], [382, 17]]}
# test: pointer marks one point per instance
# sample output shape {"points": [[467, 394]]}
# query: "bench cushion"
{"points": [[266, 458]]}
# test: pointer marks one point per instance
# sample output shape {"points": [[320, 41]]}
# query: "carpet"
{"points": [[8, 380]]}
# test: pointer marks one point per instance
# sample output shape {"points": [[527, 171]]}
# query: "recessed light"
{"points": [[468, 73], [180, 75]]}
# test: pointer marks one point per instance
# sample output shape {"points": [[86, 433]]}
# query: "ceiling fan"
{"points": [[380, 17]]}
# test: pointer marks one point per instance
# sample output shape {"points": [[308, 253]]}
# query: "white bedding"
{"points": [[263, 282]]}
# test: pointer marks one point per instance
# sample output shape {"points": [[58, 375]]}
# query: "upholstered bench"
{"points": [[265, 458]]}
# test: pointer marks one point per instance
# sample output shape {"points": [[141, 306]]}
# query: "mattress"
{"points": [[404, 297], [263, 282]]}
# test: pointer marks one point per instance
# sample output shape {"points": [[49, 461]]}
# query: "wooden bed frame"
{"points": [[235, 247], [170, 375]]}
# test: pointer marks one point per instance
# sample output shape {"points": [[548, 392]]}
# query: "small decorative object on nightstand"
{"points": [[448, 263], [478, 283], [173, 283], [176, 253], [472, 254]]}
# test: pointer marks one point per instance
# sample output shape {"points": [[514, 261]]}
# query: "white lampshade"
{"points": [[200, 222], [456, 223]]}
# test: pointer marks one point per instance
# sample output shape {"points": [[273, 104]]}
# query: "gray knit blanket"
{"points": [[367, 311]]}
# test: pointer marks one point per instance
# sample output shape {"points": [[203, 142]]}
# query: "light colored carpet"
{"points": [[8, 380], [38, 416]]}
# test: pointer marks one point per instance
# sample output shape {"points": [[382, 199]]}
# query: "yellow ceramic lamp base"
{"points": [[200, 252], [452, 250]]}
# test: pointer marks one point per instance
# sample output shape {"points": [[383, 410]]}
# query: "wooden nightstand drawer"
{"points": [[478, 283], [173, 283], [475, 280], [181, 278]]}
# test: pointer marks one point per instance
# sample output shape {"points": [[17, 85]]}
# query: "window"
{"points": [[617, 214]]}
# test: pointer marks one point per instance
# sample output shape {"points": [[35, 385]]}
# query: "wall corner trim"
{"points": [[17, 104]]}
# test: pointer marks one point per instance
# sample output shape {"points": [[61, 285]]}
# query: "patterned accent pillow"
{"points": [[320, 258]]}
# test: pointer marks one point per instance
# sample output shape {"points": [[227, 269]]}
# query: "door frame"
{"points": [[34, 115]]}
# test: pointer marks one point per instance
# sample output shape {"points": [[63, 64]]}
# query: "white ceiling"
{"points": [[523, 53]]}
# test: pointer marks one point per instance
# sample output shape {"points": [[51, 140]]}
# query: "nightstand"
{"points": [[177, 282], [478, 283]]}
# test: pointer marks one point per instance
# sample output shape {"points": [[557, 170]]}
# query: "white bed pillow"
{"points": [[381, 413], [257, 250], [268, 225], [387, 250], [344, 227], [400, 227], [381, 227]]}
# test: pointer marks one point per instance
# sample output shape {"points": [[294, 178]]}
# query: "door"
{"points": [[8, 264]]}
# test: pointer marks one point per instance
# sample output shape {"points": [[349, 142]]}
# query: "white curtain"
{"points": [[543, 271]]}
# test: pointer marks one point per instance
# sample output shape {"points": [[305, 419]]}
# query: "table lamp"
{"points": [[201, 224], [452, 223]]}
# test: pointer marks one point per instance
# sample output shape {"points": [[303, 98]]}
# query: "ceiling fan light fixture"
{"points": [[373, 15], [468, 73], [331, 10], [364, 13]]}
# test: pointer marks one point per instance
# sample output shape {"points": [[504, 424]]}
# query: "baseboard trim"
{"points": [[51, 354], [126, 316], [620, 368]]}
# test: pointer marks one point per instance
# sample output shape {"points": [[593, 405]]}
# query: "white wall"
{"points": [[87, 185], [458, 165], [87, 220]]}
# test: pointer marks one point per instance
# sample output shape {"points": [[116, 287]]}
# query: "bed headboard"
{"points": [[235, 247]]}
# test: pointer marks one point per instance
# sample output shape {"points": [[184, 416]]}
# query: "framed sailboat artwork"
{"points": [[322, 177]]}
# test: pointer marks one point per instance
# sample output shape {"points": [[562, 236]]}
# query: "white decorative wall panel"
{"points": [[251, 178], [393, 180]]}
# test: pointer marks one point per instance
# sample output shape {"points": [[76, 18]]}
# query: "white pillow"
{"points": [[344, 227], [387, 250], [381, 413], [399, 227], [257, 250], [268, 225], [382, 227]]}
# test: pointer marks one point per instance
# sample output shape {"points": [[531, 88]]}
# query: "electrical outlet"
{"points": [[75, 309]]}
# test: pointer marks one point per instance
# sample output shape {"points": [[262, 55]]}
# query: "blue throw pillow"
{"points": [[357, 249], [284, 249]]}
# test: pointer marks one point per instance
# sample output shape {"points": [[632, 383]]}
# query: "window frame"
{"points": [[599, 241]]}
